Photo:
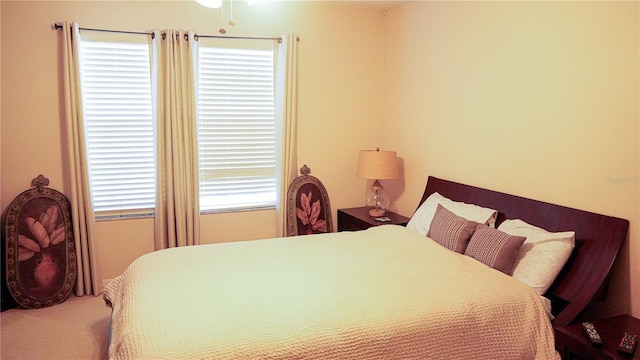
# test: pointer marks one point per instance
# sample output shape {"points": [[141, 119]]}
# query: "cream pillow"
{"points": [[421, 219], [542, 255]]}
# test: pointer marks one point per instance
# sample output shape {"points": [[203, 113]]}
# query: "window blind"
{"points": [[118, 114], [236, 128]]}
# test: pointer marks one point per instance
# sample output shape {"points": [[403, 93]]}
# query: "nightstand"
{"points": [[572, 343], [353, 219]]}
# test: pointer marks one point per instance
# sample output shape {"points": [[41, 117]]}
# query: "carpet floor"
{"points": [[78, 329]]}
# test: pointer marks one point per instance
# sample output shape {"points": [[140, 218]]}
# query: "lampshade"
{"points": [[378, 164]]}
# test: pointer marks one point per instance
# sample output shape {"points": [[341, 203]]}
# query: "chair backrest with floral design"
{"points": [[308, 207]]}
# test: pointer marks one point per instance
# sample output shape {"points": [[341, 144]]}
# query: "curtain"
{"points": [[177, 207], [83, 220], [287, 119]]}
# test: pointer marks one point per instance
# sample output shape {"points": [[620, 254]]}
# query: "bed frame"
{"points": [[598, 238]]}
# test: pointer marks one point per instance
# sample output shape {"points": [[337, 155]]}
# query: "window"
{"points": [[236, 124], [236, 127], [119, 125]]}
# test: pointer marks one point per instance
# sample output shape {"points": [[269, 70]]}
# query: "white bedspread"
{"points": [[383, 293]]}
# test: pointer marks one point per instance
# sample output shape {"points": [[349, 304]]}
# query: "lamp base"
{"points": [[377, 212]]}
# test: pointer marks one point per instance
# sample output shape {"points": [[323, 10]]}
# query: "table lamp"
{"points": [[377, 165]]}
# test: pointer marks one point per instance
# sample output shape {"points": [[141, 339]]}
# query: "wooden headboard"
{"points": [[598, 239]]}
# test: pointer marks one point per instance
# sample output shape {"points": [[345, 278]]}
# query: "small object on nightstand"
{"points": [[592, 334], [354, 219], [382, 219], [628, 344]]}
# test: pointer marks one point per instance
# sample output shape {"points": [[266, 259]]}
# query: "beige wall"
{"points": [[538, 99], [340, 97]]}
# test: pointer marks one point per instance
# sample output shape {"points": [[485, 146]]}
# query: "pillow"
{"points": [[421, 219], [450, 230], [542, 255], [494, 248]]}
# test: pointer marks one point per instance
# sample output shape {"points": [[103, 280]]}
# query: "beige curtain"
{"points": [[287, 118], [177, 207], [87, 281]]}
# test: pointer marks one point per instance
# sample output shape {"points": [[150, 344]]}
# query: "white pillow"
{"points": [[542, 255], [421, 219]]}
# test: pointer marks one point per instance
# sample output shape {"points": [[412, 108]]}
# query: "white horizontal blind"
{"points": [[236, 128], [118, 115]]}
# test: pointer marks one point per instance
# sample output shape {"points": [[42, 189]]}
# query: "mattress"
{"points": [[386, 292]]}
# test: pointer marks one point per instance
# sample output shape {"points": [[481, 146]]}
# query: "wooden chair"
{"points": [[308, 207]]}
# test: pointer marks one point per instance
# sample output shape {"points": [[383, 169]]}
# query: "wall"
{"points": [[340, 82], [538, 99]]}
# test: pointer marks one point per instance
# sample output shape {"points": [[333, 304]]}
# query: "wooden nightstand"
{"points": [[572, 343], [353, 219]]}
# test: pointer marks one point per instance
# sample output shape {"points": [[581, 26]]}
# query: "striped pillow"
{"points": [[494, 248], [451, 230]]}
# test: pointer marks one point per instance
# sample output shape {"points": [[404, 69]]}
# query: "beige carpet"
{"points": [[78, 328]]}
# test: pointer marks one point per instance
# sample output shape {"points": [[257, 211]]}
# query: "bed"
{"points": [[386, 292]]}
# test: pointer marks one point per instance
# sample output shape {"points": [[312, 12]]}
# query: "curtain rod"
{"points": [[58, 26], [278, 39]]}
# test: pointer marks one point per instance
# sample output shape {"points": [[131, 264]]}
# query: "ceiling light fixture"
{"points": [[213, 4]]}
